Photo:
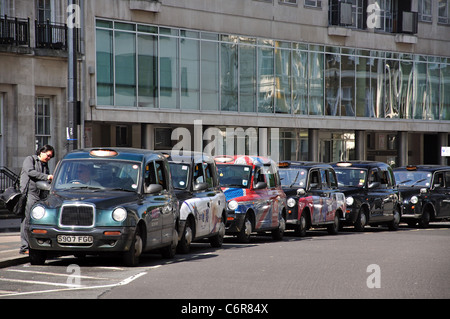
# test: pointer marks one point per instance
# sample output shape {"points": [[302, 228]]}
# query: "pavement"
{"points": [[10, 243]]}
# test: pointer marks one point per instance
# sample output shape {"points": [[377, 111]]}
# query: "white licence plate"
{"points": [[69, 239]]}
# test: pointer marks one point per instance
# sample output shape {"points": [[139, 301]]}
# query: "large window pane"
{"points": [[445, 92], [210, 75], [168, 64], [420, 88], [266, 81], [190, 73], [247, 78], [332, 84], [125, 66], [105, 75], [229, 77], [147, 71], [433, 91], [348, 85], [300, 82], [282, 80], [316, 85], [406, 92], [365, 98], [392, 84]]}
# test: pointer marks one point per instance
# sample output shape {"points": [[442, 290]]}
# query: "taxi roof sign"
{"points": [[103, 153], [344, 164]]}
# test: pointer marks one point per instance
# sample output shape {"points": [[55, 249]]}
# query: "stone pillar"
{"points": [[313, 145], [402, 148]]}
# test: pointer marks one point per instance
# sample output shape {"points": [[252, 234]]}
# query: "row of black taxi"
{"points": [[128, 201]]}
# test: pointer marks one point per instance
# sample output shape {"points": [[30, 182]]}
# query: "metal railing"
{"points": [[51, 35], [14, 31], [7, 178]]}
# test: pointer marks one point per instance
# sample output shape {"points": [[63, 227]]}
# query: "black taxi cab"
{"points": [[313, 197], [425, 193], [102, 200], [202, 202], [371, 194]]}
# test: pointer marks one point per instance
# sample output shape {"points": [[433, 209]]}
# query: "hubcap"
{"points": [[248, 228], [188, 235]]}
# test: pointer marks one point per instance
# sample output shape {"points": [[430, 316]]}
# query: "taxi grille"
{"points": [[77, 216]]}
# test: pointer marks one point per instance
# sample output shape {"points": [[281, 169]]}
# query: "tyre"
{"points": [[217, 240], [277, 234], [395, 223], [131, 257], [361, 221], [333, 229], [244, 234], [170, 250], [37, 257], [424, 221], [184, 245], [300, 229]]}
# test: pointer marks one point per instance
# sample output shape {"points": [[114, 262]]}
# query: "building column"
{"points": [[360, 145], [148, 140], [313, 145], [402, 148], [443, 141]]}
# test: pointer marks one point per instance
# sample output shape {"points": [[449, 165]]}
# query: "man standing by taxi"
{"points": [[34, 169]]}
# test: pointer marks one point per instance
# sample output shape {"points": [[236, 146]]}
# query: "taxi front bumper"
{"points": [[89, 240]]}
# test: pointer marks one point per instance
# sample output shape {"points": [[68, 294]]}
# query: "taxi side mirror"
{"points": [[260, 185], [43, 185], [200, 186], [153, 189]]}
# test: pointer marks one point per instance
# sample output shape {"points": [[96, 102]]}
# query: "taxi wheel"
{"points": [[170, 251], [217, 240], [184, 244], [131, 257], [246, 230], [395, 223], [37, 257], [424, 221], [361, 220], [277, 234], [333, 229], [300, 229]]}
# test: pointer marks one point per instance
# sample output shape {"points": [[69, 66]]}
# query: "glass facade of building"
{"points": [[147, 66]]}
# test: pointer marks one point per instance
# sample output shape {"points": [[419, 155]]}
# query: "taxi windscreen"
{"points": [[413, 178], [351, 177], [97, 174], [234, 175], [293, 177]]}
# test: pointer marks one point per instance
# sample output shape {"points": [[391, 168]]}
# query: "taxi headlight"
{"points": [[38, 212], [349, 201], [291, 202], [119, 214], [414, 200], [232, 205]]}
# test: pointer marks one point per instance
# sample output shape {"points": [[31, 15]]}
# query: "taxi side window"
{"points": [[447, 179], [315, 180], [155, 174], [438, 180], [332, 182], [209, 175]]}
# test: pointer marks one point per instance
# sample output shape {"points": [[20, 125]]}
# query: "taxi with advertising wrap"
{"points": [[202, 202], [313, 197], [425, 193], [255, 199], [371, 194], [101, 200]]}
